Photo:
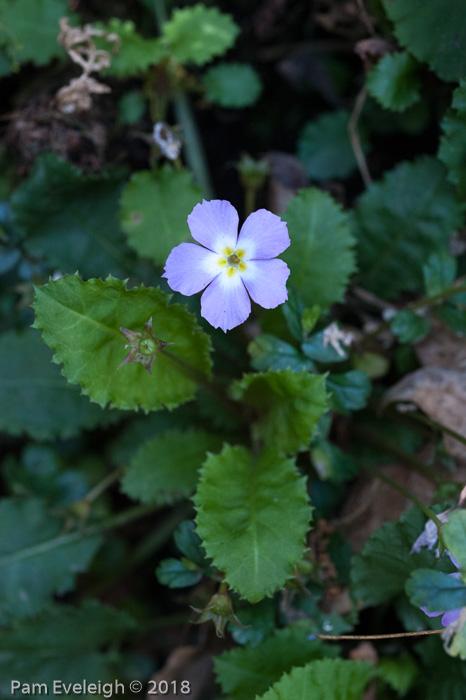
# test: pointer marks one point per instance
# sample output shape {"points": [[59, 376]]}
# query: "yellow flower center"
{"points": [[232, 260]]}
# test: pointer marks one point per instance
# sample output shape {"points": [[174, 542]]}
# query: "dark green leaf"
{"points": [[176, 574], [435, 590], [36, 559], [452, 149], [439, 273], [324, 147], [189, 543], [409, 326], [394, 81], [70, 219], [349, 390], [165, 469], [400, 222], [269, 352], [433, 31]]}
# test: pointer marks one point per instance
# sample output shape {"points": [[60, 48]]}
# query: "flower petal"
{"points": [[190, 268], [225, 303], [263, 235], [432, 614], [214, 224], [451, 616], [265, 281]]}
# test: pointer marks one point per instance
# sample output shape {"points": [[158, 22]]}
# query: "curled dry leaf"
{"points": [[441, 394]]}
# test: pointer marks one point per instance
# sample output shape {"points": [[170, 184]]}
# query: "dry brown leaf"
{"points": [[442, 347], [441, 394], [186, 663]]}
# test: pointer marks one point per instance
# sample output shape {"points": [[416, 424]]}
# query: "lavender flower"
{"points": [[230, 267]]}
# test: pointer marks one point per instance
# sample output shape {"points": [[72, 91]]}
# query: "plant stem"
{"points": [[102, 486], [425, 301], [194, 150], [425, 420]]}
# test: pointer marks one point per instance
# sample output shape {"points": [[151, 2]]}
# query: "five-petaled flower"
{"points": [[230, 267]]}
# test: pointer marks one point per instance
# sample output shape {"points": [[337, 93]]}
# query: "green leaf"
{"points": [[36, 559], [439, 273], [394, 81], [189, 543], [258, 619], [349, 390], [29, 29], [338, 679], [269, 352], [443, 678], [253, 540], [380, 572], [332, 463], [400, 222], [131, 107], [289, 405], [433, 31], [435, 590], [454, 317], [400, 673], [409, 327], [36, 400], [243, 673], [70, 219], [454, 536], [452, 149], [154, 211], [199, 33], [81, 322], [165, 469], [176, 574], [233, 85], [135, 53], [324, 147], [320, 256], [62, 644]]}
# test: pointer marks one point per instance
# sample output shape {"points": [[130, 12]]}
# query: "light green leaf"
{"points": [[70, 219], [165, 469], [233, 85], [324, 147], [394, 81], [452, 149], [338, 679], [320, 256], [380, 572], [63, 643], [400, 222], [439, 273], [243, 504], [243, 673], [269, 352], [433, 31], [36, 559], [154, 211], [454, 536], [135, 53], [199, 33], [289, 405], [36, 400], [409, 326], [81, 322], [29, 29]]}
